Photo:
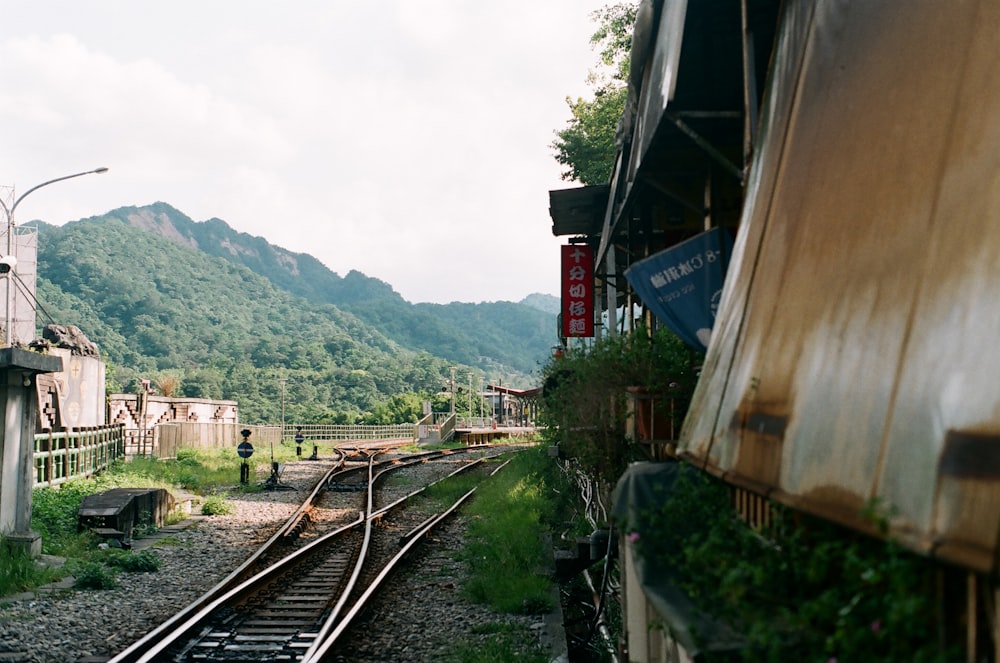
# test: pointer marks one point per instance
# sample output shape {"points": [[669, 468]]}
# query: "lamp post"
{"points": [[282, 381], [9, 213]]}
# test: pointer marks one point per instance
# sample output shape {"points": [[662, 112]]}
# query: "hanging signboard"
{"points": [[682, 285], [577, 291]]}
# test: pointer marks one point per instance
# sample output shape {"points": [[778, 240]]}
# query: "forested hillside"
{"points": [[162, 308], [485, 340]]}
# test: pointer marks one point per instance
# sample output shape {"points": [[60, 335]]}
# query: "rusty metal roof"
{"points": [[854, 357]]}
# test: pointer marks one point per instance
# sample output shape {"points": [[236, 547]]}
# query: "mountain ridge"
{"points": [[141, 301], [415, 326]]}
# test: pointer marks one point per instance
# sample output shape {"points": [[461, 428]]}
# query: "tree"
{"points": [[168, 384], [587, 145]]}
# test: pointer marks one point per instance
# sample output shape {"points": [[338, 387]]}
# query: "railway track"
{"points": [[296, 596]]}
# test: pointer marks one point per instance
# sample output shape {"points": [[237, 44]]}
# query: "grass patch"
{"points": [[91, 574], [496, 627], [445, 492], [397, 480], [54, 510], [505, 547], [503, 645], [19, 572], [167, 542], [131, 562]]}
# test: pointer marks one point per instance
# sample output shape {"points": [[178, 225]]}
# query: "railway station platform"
{"points": [[474, 435]]}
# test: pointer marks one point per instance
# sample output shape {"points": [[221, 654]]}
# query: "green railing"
{"points": [[63, 455]]}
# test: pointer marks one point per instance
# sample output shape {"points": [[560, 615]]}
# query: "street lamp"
{"points": [[9, 213]]}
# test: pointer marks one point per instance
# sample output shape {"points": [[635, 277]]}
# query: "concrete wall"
{"points": [[73, 397], [138, 411], [143, 414]]}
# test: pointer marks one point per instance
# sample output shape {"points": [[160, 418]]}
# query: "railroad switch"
{"points": [[274, 481]]}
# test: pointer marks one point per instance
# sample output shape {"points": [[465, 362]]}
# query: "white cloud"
{"points": [[409, 141]]}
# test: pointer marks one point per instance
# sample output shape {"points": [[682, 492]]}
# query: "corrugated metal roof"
{"points": [[854, 358]]}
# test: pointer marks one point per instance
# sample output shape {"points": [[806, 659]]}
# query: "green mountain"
{"points": [[230, 315], [546, 303]]}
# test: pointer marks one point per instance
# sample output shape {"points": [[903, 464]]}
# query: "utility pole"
{"points": [[282, 381]]}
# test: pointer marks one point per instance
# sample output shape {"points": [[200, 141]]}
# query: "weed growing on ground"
{"points": [[505, 547], [93, 575], [131, 562], [19, 572], [168, 541], [55, 511], [217, 505], [503, 645]]}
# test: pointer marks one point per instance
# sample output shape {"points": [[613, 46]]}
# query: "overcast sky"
{"points": [[406, 139]]}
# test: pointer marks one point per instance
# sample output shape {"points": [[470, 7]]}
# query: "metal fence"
{"points": [[339, 432], [63, 455], [436, 427]]}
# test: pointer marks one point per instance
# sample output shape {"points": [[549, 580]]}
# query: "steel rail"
{"points": [[136, 648], [359, 564], [461, 469], [239, 590], [293, 521], [170, 633], [326, 639]]}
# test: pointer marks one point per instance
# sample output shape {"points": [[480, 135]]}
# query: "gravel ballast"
{"points": [[421, 618]]}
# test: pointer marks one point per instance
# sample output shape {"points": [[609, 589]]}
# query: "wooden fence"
{"points": [[168, 438]]}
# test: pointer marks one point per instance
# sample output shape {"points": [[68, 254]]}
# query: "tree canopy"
{"points": [[586, 146], [202, 326]]}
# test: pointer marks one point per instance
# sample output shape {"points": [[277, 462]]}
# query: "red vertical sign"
{"points": [[577, 291]]}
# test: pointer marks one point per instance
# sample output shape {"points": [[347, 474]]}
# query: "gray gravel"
{"points": [[421, 619]]}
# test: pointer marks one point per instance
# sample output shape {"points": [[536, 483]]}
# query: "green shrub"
{"points": [[145, 526], [585, 402], [132, 562], [20, 572], [94, 575], [216, 505], [800, 589], [187, 456], [54, 515]]}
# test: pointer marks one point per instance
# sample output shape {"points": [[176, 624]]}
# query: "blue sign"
{"points": [[245, 450], [682, 285]]}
